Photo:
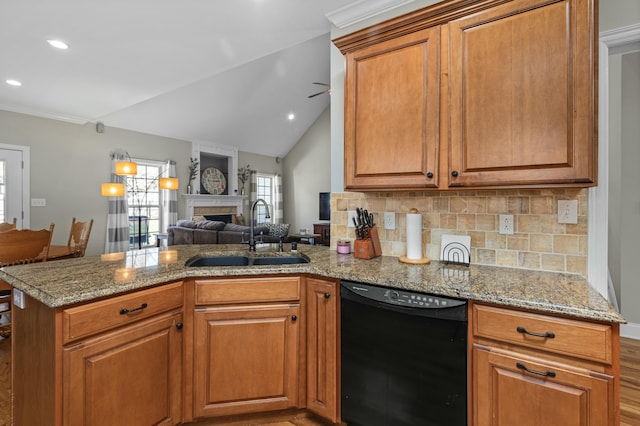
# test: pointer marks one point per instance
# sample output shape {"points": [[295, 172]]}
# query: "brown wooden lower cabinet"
{"points": [[212, 347], [534, 369], [511, 389], [322, 347], [130, 376], [246, 359]]}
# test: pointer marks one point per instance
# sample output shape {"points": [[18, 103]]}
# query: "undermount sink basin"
{"points": [[217, 261], [236, 260], [279, 260]]}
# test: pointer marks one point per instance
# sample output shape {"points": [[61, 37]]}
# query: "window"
{"points": [[264, 190], [145, 204]]}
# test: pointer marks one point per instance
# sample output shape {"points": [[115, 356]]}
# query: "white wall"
{"points": [[618, 13], [307, 171], [624, 154], [70, 161], [630, 180]]}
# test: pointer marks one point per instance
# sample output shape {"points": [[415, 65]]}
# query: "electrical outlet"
{"points": [[506, 224], [352, 216], [18, 298], [389, 220], [568, 211]]}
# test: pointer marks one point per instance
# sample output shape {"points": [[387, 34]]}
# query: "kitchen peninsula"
{"points": [[88, 324]]}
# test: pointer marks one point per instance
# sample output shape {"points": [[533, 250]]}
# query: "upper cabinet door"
{"points": [[392, 113], [523, 95]]}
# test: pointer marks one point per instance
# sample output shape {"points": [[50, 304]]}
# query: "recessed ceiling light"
{"points": [[291, 116], [13, 82], [58, 44]]}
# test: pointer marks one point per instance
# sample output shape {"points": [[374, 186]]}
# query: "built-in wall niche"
{"points": [[221, 157]]}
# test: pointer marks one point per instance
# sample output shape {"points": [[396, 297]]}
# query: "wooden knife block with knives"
{"points": [[367, 242]]}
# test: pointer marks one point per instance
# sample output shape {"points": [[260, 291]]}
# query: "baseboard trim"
{"points": [[631, 331]]}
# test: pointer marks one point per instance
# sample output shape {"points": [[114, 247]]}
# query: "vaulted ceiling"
{"points": [[227, 72]]}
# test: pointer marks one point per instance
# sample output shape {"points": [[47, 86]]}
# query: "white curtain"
{"points": [[278, 212], [118, 216], [253, 187], [170, 205]]}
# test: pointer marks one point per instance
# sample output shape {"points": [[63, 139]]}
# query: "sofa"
{"points": [[215, 232]]}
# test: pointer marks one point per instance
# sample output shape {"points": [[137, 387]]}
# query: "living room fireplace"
{"points": [[213, 205]]}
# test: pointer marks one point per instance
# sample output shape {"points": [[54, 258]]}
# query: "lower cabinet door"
{"points": [[509, 389], [131, 376], [322, 348], [245, 359]]}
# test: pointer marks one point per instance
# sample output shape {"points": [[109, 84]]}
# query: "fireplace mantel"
{"points": [[212, 204]]}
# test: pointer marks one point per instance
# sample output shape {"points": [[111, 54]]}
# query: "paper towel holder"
{"points": [[423, 260]]}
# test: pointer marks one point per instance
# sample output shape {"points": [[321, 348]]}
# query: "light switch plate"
{"points": [[568, 211], [38, 202]]}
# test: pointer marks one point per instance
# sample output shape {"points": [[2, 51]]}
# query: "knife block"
{"points": [[363, 249], [369, 247], [375, 240]]}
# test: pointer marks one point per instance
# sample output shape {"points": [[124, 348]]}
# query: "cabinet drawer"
{"points": [[579, 339], [85, 320], [250, 290]]}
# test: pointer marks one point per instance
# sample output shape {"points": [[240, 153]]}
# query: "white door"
{"points": [[11, 185]]}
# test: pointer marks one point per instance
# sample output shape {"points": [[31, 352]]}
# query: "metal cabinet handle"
{"points": [[125, 311], [294, 318], [454, 173], [429, 175], [327, 295], [547, 335], [179, 325], [548, 373]]}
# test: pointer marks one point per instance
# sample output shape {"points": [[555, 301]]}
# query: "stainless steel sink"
{"points": [[217, 261], [279, 260], [238, 260]]}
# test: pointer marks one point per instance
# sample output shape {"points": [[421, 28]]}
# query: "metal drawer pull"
{"points": [[126, 311], [548, 373], [548, 334]]}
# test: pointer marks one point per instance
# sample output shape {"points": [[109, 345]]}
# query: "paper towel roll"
{"points": [[414, 235]]}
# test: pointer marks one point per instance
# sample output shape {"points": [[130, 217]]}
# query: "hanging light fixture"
{"points": [[168, 183], [112, 189], [126, 168]]}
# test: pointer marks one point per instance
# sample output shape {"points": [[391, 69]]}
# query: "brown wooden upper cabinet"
{"points": [[473, 94]]}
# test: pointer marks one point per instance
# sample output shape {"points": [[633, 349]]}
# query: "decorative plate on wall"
{"points": [[213, 181]]}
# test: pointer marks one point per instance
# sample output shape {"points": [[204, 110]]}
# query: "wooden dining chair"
{"points": [[20, 246], [8, 226], [77, 243]]}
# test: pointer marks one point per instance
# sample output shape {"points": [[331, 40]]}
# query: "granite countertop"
{"points": [[67, 282]]}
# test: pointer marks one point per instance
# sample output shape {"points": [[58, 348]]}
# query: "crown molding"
{"points": [[362, 10]]}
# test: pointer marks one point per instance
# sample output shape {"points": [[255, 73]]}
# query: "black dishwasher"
{"points": [[403, 357]]}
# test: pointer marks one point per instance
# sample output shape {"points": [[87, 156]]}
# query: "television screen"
{"points": [[325, 206]]}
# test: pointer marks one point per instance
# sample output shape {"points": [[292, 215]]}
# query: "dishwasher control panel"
{"points": [[402, 297]]}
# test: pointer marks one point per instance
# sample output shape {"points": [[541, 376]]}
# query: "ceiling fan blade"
{"points": [[319, 93]]}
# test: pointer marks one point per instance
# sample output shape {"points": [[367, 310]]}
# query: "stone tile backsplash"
{"points": [[539, 241]]}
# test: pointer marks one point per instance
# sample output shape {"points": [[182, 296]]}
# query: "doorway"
{"points": [[14, 184], [619, 182]]}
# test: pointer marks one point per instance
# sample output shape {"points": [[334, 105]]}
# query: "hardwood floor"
{"points": [[629, 388], [629, 382]]}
